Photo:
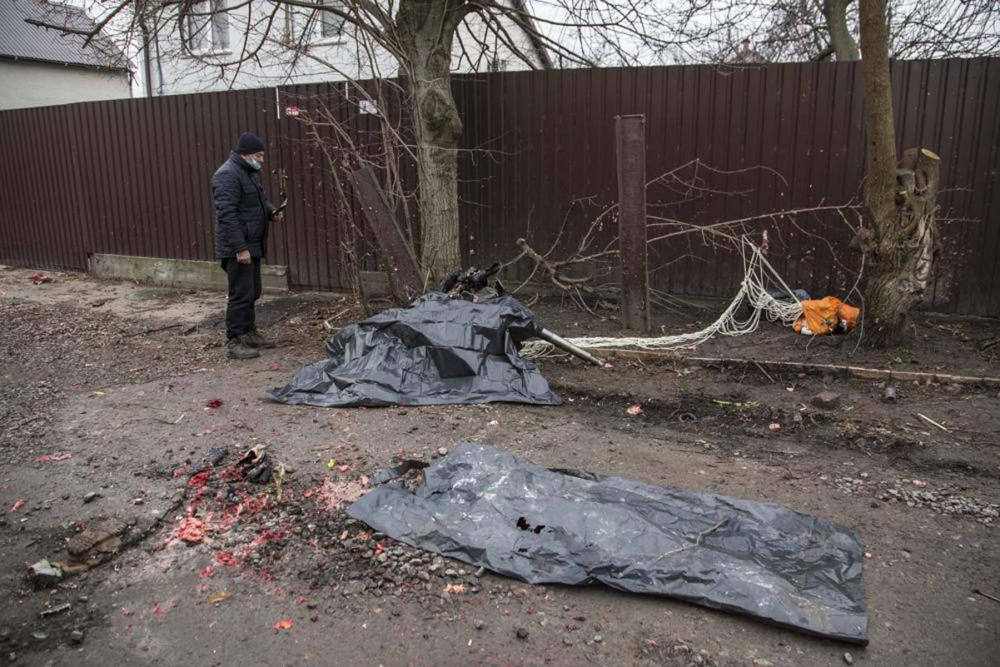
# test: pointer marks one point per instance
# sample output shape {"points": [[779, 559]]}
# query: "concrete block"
{"points": [[181, 272]]}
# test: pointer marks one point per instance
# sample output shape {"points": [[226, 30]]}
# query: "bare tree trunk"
{"points": [[899, 237], [427, 28], [841, 40]]}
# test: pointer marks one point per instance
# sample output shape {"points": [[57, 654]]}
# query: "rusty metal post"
{"points": [[630, 140], [396, 254]]}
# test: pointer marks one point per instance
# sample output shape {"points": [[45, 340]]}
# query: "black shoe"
{"points": [[239, 348], [254, 339]]}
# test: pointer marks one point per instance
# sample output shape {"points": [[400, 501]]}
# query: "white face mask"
{"points": [[257, 166]]}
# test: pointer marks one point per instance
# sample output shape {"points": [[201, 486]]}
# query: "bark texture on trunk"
{"points": [[841, 40], [426, 31], [899, 236]]}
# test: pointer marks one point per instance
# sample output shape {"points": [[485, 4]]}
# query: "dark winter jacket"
{"points": [[241, 210]]}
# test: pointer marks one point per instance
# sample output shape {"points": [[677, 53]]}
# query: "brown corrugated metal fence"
{"points": [[132, 176]]}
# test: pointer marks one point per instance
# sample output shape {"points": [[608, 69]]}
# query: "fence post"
{"points": [[630, 140]]}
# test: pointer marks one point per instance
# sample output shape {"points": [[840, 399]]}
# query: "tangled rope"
{"points": [[757, 272]]}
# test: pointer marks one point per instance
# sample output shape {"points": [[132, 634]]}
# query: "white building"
{"points": [[41, 67], [234, 44]]}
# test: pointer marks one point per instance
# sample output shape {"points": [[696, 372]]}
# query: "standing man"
{"points": [[242, 213]]}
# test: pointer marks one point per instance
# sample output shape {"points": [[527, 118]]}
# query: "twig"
{"points": [[149, 331], [932, 422], [761, 368], [697, 541], [171, 423], [986, 595]]}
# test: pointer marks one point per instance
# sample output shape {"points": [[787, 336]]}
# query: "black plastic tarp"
{"points": [[482, 506], [435, 351]]}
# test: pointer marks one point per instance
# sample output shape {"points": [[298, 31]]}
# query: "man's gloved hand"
{"points": [[243, 257], [278, 216]]}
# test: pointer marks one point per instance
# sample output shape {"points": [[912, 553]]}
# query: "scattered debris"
{"points": [[58, 609], [932, 422], [40, 278], [986, 595], [442, 451], [199, 479], [333, 494], [18, 504], [191, 530], [284, 624], [848, 658], [522, 634], [214, 403], [826, 400], [219, 597], [634, 410], [77, 636], [53, 457], [944, 499], [91, 497], [774, 426], [256, 465], [44, 575], [919, 484], [890, 394]]}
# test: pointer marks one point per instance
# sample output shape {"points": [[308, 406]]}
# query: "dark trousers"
{"points": [[244, 290]]}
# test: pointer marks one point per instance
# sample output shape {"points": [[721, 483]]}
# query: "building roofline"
{"points": [[45, 61]]}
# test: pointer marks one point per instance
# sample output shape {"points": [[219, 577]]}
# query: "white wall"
{"points": [[331, 59], [30, 84]]}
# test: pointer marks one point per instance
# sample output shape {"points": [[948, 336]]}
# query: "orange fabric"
{"points": [[824, 315]]}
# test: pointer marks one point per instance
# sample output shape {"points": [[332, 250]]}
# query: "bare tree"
{"points": [[419, 37]]}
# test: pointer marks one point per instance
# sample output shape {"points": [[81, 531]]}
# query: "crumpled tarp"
{"points": [[482, 506], [436, 351]]}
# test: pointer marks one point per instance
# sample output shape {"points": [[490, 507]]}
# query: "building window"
{"points": [[208, 26], [329, 25]]}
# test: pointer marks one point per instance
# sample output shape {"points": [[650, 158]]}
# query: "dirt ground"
{"points": [[111, 381]]}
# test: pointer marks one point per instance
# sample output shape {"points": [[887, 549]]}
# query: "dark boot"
{"points": [[239, 348], [254, 339]]}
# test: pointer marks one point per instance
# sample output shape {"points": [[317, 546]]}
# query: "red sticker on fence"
{"points": [[292, 111]]}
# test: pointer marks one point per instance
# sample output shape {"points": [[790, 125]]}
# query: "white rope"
{"points": [[753, 289]]}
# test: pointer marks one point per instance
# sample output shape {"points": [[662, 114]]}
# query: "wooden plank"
{"points": [[397, 256], [630, 140]]}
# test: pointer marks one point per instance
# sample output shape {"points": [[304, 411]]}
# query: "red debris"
{"points": [[634, 410], [199, 479], [920, 484], [334, 494], [52, 457], [214, 403], [207, 572], [275, 367], [231, 474], [18, 504], [178, 472], [226, 558], [192, 530], [301, 600], [284, 624], [40, 278]]}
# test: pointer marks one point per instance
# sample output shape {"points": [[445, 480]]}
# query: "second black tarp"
{"points": [[436, 351], [482, 506]]}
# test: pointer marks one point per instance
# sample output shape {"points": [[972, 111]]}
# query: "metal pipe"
{"points": [[567, 346]]}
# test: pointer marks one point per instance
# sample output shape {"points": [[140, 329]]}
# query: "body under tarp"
{"points": [[436, 351], [482, 506]]}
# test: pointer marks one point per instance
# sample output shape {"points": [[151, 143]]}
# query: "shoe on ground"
{"points": [[240, 349], [254, 339]]}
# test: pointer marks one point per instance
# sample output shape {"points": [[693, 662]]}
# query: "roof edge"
{"points": [[61, 63]]}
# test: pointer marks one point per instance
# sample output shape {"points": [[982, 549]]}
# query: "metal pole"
{"points": [[567, 346]]}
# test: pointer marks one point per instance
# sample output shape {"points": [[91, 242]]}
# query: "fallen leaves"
{"points": [[635, 410], [18, 504], [52, 457], [284, 624]]}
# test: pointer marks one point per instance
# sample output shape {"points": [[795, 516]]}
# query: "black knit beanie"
{"points": [[249, 143]]}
